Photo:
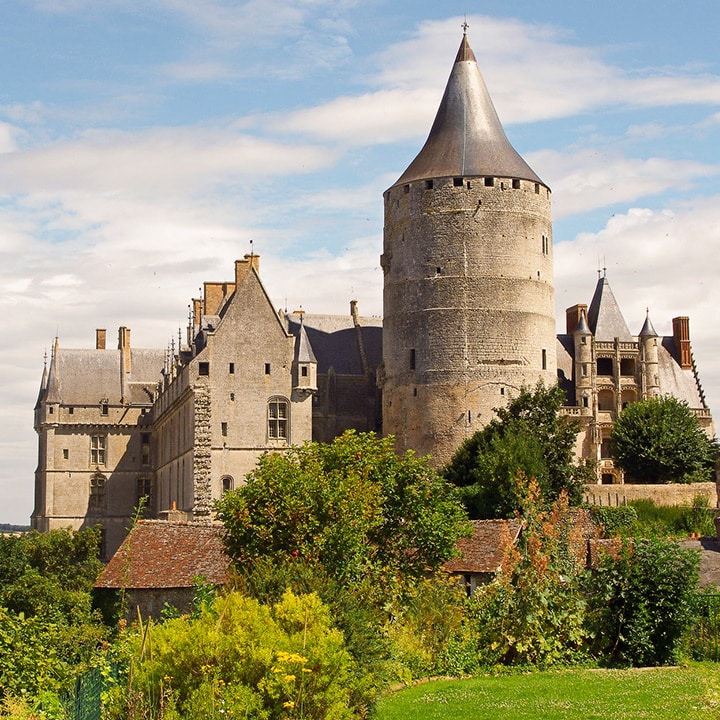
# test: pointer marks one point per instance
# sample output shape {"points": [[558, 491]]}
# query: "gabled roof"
{"points": [[484, 550], [604, 317], [159, 554], [467, 138]]}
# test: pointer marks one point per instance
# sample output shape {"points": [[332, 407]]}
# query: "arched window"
{"points": [[228, 483], [278, 418]]}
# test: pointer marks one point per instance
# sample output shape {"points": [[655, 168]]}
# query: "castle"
{"points": [[468, 320]]}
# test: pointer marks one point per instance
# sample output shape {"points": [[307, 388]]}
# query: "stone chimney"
{"points": [[100, 338], [242, 267], [681, 335], [572, 317], [125, 366]]}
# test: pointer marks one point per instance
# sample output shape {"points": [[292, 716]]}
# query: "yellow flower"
{"points": [[289, 704], [290, 678]]}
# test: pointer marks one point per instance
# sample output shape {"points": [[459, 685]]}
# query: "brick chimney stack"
{"points": [[100, 338], [572, 317], [681, 335]]}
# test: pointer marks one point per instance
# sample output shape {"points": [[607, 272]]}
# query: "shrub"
{"points": [[243, 659], [533, 611], [640, 602]]}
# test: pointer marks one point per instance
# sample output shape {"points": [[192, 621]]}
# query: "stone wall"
{"points": [[671, 494], [468, 305]]}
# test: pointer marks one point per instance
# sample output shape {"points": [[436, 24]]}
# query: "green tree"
{"points": [[351, 507], [49, 633], [528, 439], [660, 441], [640, 601]]}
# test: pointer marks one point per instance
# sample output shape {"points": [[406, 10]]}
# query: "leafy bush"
{"points": [[243, 659], [429, 632], [614, 521], [532, 612], [640, 602]]}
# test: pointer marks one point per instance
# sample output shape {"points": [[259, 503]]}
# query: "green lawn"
{"points": [[655, 694]]}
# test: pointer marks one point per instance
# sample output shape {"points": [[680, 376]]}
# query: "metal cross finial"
{"points": [[465, 26]]}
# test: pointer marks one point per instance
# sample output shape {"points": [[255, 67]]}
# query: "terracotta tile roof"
{"points": [[483, 551], [158, 554]]}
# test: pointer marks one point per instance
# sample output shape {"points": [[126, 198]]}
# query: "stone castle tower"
{"points": [[468, 276]]}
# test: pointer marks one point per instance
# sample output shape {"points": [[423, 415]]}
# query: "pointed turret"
{"points": [[43, 383], [650, 374], [305, 363], [583, 364], [582, 326], [53, 381], [467, 138], [604, 317], [647, 329]]}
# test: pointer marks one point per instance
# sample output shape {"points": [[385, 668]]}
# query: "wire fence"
{"points": [[703, 637], [84, 702]]}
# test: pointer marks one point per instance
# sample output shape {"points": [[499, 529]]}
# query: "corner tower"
{"points": [[468, 278]]}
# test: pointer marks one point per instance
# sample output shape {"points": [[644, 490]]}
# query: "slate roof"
{"points": [[467, 138], [674, 380], [604, 317], [84, 377], [159, 554], [334, 341], [484, 550]]}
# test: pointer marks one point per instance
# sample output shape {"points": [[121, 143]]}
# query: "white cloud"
{"points": [[588, 179]]}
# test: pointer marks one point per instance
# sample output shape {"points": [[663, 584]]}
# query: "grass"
{"points": [[639, 694]]}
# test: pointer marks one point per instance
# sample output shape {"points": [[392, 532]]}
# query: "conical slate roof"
{"points": [[304, 349], [467, 138], [582, 326], [604, 317], [647, 329]]}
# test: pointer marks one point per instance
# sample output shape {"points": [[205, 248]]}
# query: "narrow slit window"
{"points": [[267, 368], [231, 368], [544, 359], [412, 358]]}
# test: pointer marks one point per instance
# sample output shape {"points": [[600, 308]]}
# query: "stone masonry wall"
{"points": [[672, 494], [468, 305]]}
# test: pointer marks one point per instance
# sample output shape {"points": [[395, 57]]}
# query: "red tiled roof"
{"points": [[483, 551], [158, 554]]}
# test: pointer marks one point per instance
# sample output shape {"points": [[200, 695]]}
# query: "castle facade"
{"points": [[468, 321]]}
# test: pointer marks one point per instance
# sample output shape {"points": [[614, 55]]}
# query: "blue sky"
{"points": [[143, 145]]}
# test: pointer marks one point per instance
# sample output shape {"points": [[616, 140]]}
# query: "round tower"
{"points": [[468, 278], [650, 376], [584, 366]]}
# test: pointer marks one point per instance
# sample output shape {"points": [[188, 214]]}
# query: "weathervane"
{"points": [[465, 26]]}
